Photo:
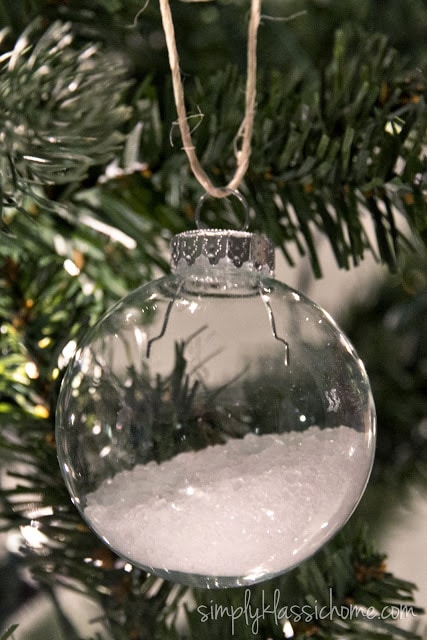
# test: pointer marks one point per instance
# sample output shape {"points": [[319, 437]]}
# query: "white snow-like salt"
{"points": [[252, 506]]}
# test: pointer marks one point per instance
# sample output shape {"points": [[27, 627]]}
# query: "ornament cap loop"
{"points": [[227, 192]]}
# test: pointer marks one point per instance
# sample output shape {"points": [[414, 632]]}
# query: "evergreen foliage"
{"points": [[390, 333], [49, 120], [92, 190]]}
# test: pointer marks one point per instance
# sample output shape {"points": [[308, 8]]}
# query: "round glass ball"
{"points": [[216, 427]]}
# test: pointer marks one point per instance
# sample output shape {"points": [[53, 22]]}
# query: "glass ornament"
{"points": [[216, 427]]}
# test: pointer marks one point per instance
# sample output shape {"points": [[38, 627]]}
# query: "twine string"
{"points": [[243, 139]]}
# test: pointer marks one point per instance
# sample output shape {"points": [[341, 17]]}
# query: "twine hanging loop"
{"points": [[244, 134]]}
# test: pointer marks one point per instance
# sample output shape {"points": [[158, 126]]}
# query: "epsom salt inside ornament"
{"points": [[216, 427]]}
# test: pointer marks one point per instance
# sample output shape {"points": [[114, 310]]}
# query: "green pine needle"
{"points": [[53, 121], [9, 632]]}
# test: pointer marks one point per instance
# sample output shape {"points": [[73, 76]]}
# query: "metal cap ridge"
{"points": [[218, 246]]}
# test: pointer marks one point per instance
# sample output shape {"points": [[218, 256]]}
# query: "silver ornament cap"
{"points": [[237, 249]]}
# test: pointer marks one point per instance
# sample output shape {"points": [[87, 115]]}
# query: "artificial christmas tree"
{"points": [[92, 191]]}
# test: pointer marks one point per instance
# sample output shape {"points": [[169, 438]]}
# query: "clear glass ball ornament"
{"points": [[216, 427]]}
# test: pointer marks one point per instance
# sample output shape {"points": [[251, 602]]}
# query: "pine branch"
{"points": [[52, 113], [325, 153], [390, 335], [326, 150], [335, 156], [327, 597]]}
